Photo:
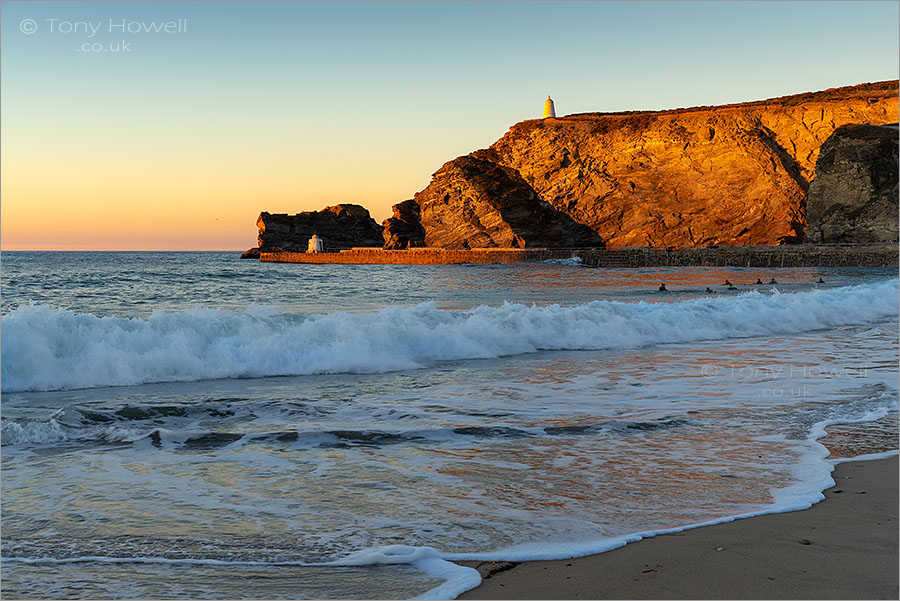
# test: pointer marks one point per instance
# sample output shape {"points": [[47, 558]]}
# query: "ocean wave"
{"points": [[33, 432], [52, 432], [573, 261], [45, 348], [60, 428]]}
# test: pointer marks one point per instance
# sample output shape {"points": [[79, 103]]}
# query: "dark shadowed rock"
{"points": [[854, 197], [341, 226], [403, 230], [251, 253], [475, 203]]}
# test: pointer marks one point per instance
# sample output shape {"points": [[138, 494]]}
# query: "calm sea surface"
{"points": [[190, 425]]}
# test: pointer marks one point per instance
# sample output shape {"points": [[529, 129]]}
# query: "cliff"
{"points": [[854, 197], [404, 229], [733, 174], [341, 226], [473, 203]]}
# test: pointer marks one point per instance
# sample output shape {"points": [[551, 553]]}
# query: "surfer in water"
{"points": [[662, 288]]}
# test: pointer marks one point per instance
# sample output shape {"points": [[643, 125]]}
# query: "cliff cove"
{"points": [[572, 300], [714, 178]]}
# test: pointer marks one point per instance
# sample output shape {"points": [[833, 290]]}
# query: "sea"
{"points": [[196, 426]]}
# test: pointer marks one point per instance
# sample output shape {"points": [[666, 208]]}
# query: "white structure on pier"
{"points": [[315, 245], [549, 109]]}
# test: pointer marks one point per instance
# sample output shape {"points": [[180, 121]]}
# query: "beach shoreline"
{"points": [[845, 547]]}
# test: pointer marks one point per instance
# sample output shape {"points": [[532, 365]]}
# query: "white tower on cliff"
{"points": [[549, 109]]}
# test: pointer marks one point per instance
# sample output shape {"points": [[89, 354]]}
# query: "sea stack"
{"points": [[549, 109]]}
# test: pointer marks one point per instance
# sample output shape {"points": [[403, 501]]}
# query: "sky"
{"points": [[118, 134]]}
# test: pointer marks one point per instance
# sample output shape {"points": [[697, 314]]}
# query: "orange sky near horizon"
{"points": [[294, 106], [112, 181], [180, 203]]}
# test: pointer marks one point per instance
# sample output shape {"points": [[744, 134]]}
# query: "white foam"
{"points": [[458, 579], [866, 457], [48, 432], [818, 429], [53, 432], [573, 261], [54, 349]]}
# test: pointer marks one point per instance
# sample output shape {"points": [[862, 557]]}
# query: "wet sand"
{"points": [[845, 547]]}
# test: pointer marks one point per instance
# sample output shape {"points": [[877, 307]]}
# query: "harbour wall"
{"points": [[801, 255]]}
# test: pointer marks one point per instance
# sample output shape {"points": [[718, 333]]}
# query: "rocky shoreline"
{"points": [[818, 168], [802, 255]]}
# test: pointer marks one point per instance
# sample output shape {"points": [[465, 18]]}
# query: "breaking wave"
{"points": [[73, 424], [573, 261], [46, 348]]}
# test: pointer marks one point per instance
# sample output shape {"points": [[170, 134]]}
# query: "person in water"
{"points": [[710, 290], [662, 288], [821, 281], [759, 281], [727, 283], [772, 281]]}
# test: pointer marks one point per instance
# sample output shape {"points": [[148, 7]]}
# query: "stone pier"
{"points": [[800, 255]]}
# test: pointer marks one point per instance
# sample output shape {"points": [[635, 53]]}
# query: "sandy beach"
{"points": [[845, 547]]}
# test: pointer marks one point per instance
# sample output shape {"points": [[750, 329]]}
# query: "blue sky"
{"points": [[290, 106]]}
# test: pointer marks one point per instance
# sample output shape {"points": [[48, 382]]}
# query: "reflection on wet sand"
{"points": [[852, 440], [633, 479]]}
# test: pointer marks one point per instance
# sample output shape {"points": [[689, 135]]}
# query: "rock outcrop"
{"points": [[854, 197], [341, 226], [734, 174], [475, 203], [404, 229]]}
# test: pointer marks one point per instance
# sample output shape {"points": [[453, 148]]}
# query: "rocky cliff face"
{"points": [[735, 174], [341, 226], [854, 197], [404, 229], [475, 203]]}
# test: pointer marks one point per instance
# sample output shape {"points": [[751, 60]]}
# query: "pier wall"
{"points": [[820, 255]]}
